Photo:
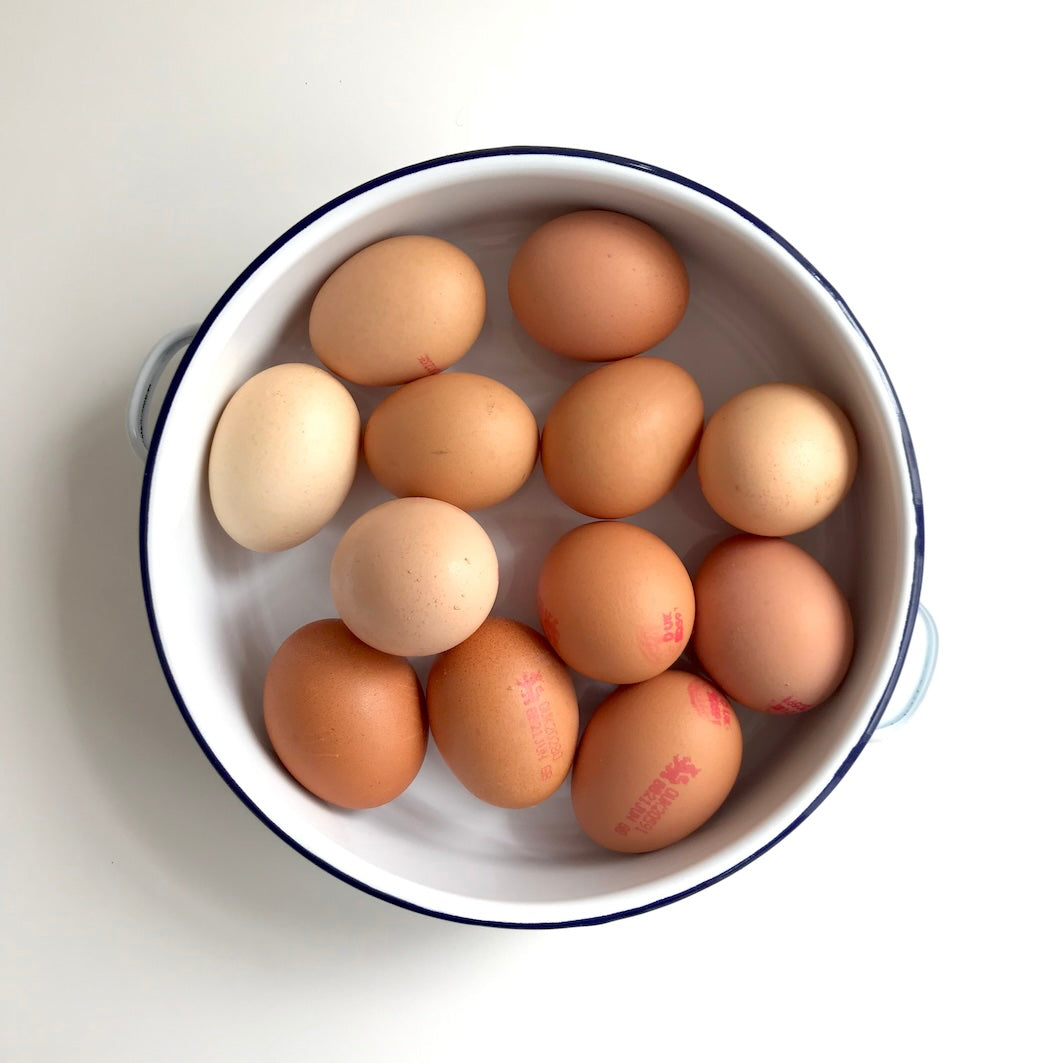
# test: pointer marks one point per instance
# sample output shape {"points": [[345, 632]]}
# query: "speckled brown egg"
{"points": [[596, 285], [414, 576], [347, 721], [777, 459], [400, 309], [656, 762], [773, 629], [503, 713], [615, 602], [619, 438], [460, 437]]}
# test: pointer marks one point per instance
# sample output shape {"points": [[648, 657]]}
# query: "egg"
{"points": [[502, 710], [656, 761], [283, 456], [773, 629], [460, 437], [615, 602], [619, 438], [347, 721], [400, 309], [595, 285], [414, 576], [777, 459]]}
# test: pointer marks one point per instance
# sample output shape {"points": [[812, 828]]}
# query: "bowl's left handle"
{"points": [[158, 358]]}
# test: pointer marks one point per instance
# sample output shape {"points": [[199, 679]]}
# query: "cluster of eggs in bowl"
{"points": [[418, 576]]}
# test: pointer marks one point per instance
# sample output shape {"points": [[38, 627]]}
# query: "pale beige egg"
{"points": [[283, 456], [777, 458], [414, 576]]}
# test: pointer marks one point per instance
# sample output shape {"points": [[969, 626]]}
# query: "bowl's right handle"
{"points": [[930, 656], [158, 358]]}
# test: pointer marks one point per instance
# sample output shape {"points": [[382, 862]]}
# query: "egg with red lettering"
{"points": [[773, 627], [615, 602], [657, 760], [402, 308], [502, 711]]}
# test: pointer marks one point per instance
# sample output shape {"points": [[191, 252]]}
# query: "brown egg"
{"points": [[773, 629], [399, 309], [656, 761], [460, 437], [595, 285], [502, 710], [619, 439], [414, 576], [615, 602], [347, 721], [777, 459]]}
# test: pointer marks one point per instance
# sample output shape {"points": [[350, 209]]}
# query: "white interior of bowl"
{"points": [[755, 315]]}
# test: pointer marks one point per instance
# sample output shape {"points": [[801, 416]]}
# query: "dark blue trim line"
{"points": [[917, 500]]}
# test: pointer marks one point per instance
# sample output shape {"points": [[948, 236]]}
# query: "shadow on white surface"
{"points": [[190, 849]]}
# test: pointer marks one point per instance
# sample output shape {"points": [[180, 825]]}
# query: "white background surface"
{"points": [[151, 151]]}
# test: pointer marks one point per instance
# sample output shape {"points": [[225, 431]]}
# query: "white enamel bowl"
{"points": [[758, 311]]}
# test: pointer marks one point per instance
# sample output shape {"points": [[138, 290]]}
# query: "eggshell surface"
{"points": [[656, 761], [615, 602], [596, 285], [460, 437], [399, 309], [777, 459], [773, 629], [283, 456], [619, 439], [347, 721], [414, 576], [502, 710]]}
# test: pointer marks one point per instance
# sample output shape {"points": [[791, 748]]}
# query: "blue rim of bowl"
{"points": [[617, 160]]}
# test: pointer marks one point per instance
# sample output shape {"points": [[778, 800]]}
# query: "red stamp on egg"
{"points": [[709, 702], [789, 706], [669, 633], [542, 727], [428, 365], [548, 622], [653, 803], [672, 629], [681, 770]]}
